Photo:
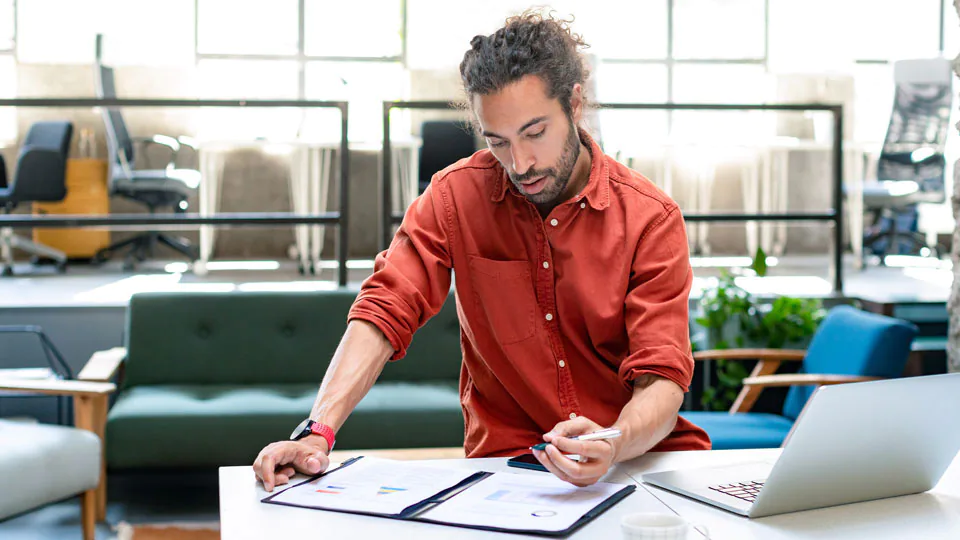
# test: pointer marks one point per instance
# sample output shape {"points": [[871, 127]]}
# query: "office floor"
{"points": [[109, 285]]}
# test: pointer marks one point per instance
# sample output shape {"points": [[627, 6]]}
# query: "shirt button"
{"points": [[546, 264], [549, 316], [562, 363], [554, 222], [573, 415], [583, 205]]}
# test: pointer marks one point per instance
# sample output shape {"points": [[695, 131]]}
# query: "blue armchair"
{"points": [[850, 346]]}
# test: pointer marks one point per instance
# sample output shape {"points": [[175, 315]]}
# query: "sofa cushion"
{"points": [[244, 337], [217, 425], [233, 338], [41, 464]]}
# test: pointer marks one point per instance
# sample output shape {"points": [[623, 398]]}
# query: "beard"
{"points": [[560, 173]]}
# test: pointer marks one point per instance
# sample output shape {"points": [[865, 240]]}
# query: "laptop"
{"points": [[852, 443]]}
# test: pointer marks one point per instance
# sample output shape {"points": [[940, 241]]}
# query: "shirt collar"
{"points": [[597, 190]]}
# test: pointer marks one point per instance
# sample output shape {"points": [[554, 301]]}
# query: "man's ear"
{"points": [[576, 103]]}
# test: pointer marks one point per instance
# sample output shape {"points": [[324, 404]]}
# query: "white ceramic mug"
{"points": [[655, 526]]}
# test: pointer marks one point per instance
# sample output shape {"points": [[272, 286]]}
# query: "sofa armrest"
{"points": [[58, 387], [103, 365]]}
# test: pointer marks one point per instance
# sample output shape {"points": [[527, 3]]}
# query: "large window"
{"points": [[756, 51], [146, 32], [8, 71], [307, 49]]}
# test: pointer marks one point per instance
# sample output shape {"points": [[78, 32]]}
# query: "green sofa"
{"points": [[210, 378]]}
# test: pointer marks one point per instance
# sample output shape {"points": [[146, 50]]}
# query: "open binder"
{"points": [[407, 490]]}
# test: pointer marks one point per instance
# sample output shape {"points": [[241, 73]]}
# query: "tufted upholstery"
{"points": [[244, 367]]}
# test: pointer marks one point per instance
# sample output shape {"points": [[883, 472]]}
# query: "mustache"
{"points": [[531, 174]]}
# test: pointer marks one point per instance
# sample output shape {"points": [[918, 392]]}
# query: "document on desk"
{"points": [[481, 500]]}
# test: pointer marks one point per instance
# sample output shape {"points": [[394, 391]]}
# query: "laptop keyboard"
{"points": [[744, 490]]}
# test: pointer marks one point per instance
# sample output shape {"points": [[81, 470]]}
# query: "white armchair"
{"points": [[41, 464]]}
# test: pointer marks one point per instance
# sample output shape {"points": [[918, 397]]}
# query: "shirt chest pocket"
{"points": [[503, 291]]}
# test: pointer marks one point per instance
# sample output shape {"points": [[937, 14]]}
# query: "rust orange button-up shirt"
{"points": [[557, 315]]}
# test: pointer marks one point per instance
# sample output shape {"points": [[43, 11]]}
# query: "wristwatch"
{"points": [[309, 427]]}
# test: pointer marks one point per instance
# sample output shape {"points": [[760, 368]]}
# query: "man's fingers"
{"points": [[569, 428], [578, 474], [597, 450], [286, 471], [545, 460], [311, 461], [267, 465]]}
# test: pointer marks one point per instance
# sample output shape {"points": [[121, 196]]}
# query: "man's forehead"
{"points": [[508, 110]]}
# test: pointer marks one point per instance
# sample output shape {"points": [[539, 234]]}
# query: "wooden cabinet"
{"points": [[86, 194]]}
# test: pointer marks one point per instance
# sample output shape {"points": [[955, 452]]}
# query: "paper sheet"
{"points": [[524, 502], [373, 485]]}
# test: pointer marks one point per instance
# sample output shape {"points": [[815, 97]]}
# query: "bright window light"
{"points": [[935, 276], [357, 264], [785, 285], [243, 265], [146, 32], [283, 286], [6, 25], [911, 261], [121, 290], [330, 30], [727, 29], [247, 27], [728, 262], [8, 89]]}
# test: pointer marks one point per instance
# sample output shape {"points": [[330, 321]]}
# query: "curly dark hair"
{"points": [[528, 44]]}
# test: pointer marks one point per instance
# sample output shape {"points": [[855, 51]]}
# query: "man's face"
{"points": [[531, 136]]}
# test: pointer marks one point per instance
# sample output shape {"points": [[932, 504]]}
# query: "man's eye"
{"points": [[498, 144], [538, 134]]}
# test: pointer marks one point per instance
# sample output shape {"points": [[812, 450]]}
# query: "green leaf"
{"points": [[760, 262]]}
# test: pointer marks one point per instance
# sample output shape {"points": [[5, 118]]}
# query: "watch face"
{"points": [[297, 433]]}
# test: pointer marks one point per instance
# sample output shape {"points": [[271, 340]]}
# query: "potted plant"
{"points": [[732, 317]]}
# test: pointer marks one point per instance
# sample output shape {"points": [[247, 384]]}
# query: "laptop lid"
{"points": [[864, 441]]}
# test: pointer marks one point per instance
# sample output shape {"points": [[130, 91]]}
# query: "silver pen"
{"points": [[609, 433]]}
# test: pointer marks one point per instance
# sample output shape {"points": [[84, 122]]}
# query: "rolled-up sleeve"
{"points": [[656, 310], [411, 279]]}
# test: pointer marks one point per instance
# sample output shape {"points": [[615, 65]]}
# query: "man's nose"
{"points": [[522, 160]]}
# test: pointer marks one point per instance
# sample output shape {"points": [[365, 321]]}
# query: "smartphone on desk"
{"points": [[528, 461]]}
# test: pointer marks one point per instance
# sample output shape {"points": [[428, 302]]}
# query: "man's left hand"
{"points": [[596, 457]]}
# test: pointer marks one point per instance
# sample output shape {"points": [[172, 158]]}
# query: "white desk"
{"points": [[311, 170], [931, 516]]}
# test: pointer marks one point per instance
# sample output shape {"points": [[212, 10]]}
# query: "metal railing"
{"points": [[388, 218], [340, 218]]}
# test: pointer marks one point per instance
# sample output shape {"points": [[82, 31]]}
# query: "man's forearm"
{"points": [[648, 417], [358, 361]]}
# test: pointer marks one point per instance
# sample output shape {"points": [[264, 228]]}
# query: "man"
{"points": [[572, 277]]}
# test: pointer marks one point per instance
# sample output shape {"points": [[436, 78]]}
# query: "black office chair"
{"points": [[911, 168], [155, 188], [444, 142], [40, 177]]}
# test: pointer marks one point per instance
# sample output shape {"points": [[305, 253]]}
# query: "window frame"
{"points": [[301, 58]]}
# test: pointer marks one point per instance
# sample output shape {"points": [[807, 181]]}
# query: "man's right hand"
{"points": [[279, 461]]}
